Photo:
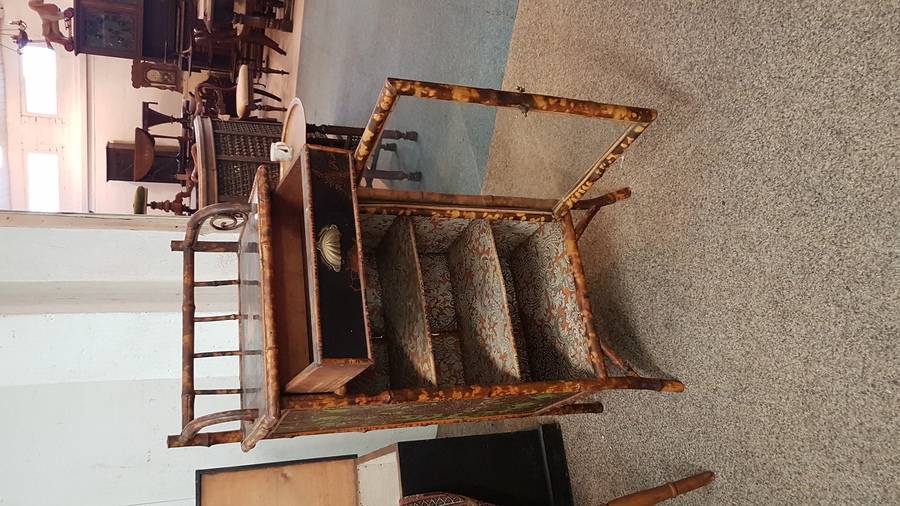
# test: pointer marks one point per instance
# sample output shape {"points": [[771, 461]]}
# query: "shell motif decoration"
{"points": [[329, 246]]}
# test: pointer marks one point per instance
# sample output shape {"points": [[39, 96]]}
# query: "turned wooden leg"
{"points": [[270, 70], [398, 135], [263, 107], [664, 492]]}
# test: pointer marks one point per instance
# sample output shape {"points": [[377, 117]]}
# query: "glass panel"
{"points": [[475, 149], [43, 182], [109, 30], [39, 75]]}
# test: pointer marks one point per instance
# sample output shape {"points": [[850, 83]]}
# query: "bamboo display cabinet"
{"points": [[365, 309]]}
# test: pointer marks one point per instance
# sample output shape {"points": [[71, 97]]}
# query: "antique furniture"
{"points": [[151, 118], [245, 91], [230, 151], [363, 309], [165, 76], [228, 155], [145, 152], [120, 163], [133, 29], [349, 137], [525, 468]]}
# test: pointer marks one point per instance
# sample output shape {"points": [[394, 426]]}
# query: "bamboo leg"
{"points": [[595, 205]]}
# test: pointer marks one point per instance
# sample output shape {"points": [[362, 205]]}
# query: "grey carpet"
{"points": [[757, 260]]}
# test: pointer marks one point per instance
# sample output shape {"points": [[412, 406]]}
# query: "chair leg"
{"points": [[263, 107], [259, 38], [269, 70], [398, 135], [664, 492], [267, 94]]}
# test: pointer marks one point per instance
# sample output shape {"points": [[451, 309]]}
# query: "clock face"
{"points": [[157, 76]]}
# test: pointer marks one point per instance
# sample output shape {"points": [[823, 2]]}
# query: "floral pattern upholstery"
{"points": [[516, 320], [545, 286], [438, 294], [373, 295], [448, 359], [435, 235], [486, 337], [406, 328], [509, 234], [372, 228]]}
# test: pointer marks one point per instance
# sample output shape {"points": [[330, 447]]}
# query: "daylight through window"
{"points": [[43, 182], [39, 73]]}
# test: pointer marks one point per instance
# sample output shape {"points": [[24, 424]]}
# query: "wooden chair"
{"points": [[237, 100], [345, 137], [234, 38]]}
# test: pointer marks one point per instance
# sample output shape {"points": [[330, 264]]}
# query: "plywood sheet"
{"points": [[323, 483]]}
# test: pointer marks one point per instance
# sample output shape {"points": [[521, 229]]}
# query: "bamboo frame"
{"points": [[594, 206], [444, 205], [638, 119], [275, 409], [420, 395], [234, 213]]}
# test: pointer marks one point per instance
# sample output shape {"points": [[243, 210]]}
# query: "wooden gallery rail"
{"points": [[365, 309]]}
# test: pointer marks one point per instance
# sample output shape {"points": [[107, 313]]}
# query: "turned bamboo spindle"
{"points": [[662, 493]]}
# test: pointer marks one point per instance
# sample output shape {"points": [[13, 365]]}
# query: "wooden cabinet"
{"points": [[120, 163], [133, 29], [364, 309]]}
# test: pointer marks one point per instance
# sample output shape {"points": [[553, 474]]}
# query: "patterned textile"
{"points": [[373, 295], [435, 235], [376, 378], [516, 320], [441, 499], [509, 234], [448, 359], [545, 287], [438, 294], [403, 304], [486, 337], [372, 228]]}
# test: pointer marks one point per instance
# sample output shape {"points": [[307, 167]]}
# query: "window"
{"points": [[39, 73], [43, 182]]}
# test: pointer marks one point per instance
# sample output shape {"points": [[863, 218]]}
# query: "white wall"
{"points": [[88, 398], [97, 104]]}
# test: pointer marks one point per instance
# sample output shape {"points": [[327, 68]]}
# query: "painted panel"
{"points": [[371, 417]]}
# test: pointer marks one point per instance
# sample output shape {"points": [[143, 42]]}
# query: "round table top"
{"points": [[244, 92], [293, 133], [144, 153], [207, 184]]}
